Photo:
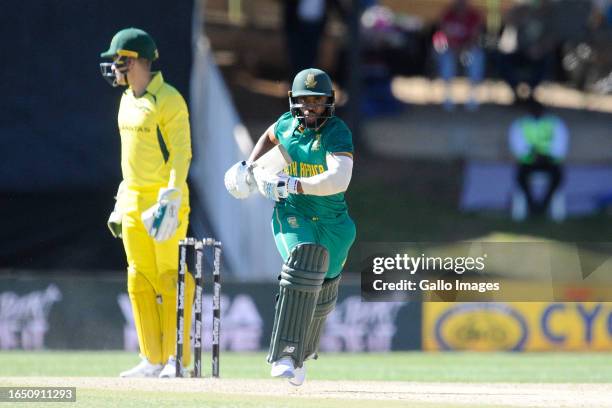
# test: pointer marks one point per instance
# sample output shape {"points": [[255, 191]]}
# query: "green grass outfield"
{"points": [[573, 368], [408, 366]]}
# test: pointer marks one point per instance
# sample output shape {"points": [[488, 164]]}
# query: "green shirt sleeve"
{"points": [[339, 138], [284, 126]]}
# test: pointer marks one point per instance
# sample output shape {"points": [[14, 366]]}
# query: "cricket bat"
{"points": [[274, 160]]}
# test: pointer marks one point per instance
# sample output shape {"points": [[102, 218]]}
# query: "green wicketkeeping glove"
{"points": [[161, 220]]}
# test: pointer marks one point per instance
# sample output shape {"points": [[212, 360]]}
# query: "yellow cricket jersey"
{"points": [[155, 141]]}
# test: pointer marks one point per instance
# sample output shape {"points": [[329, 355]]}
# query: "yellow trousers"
{"points": [[151, 282]]}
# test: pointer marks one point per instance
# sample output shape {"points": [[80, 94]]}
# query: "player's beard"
{"points": [[311, 119]]}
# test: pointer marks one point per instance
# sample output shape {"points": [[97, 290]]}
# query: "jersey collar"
{"points": [[156, 83]]}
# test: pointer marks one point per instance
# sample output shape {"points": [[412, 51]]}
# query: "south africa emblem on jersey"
{"points": [[310, 81], [316, 145], [293, 222]]}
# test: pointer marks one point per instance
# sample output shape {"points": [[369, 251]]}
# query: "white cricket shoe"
{"points": [[299, 375], [143, 370], [169, 370], [283, 368]]}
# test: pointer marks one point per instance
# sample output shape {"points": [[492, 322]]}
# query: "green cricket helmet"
{"points": [[127, 43], [311, 82]]}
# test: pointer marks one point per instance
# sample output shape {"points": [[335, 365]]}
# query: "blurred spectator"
{"points": [[395, 39], [527, 45], [458, 39], [304, 27], [586, 58], [389, 48], [601, 13], [539, 143]]}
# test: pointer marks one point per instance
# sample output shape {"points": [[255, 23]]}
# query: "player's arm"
{"points": [[335, 179], [266, 142], [174, 125], [339, 160], [161, 220]]}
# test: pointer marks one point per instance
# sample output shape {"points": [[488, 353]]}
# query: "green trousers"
{"points": [[337, 235]]}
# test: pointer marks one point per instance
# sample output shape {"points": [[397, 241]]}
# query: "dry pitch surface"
{"points": [[349, 393]]}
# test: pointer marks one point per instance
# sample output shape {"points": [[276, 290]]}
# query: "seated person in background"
{"points": [[539, 143], [457, 39]]}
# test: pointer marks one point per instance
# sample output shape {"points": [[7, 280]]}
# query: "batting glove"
{"points": [[275, 186], [239, 180]]}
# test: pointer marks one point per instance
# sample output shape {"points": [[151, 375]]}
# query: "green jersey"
{"points": [[308, 149]]}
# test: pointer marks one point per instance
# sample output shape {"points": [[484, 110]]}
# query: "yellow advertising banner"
{"points": [[518, 326]]}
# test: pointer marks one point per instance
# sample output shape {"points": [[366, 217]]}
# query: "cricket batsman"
{"points": [[152, 208], [311, 225]]}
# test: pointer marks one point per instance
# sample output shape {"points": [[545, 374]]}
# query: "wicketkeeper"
{"points": [[152, 209], [311, 224]]}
